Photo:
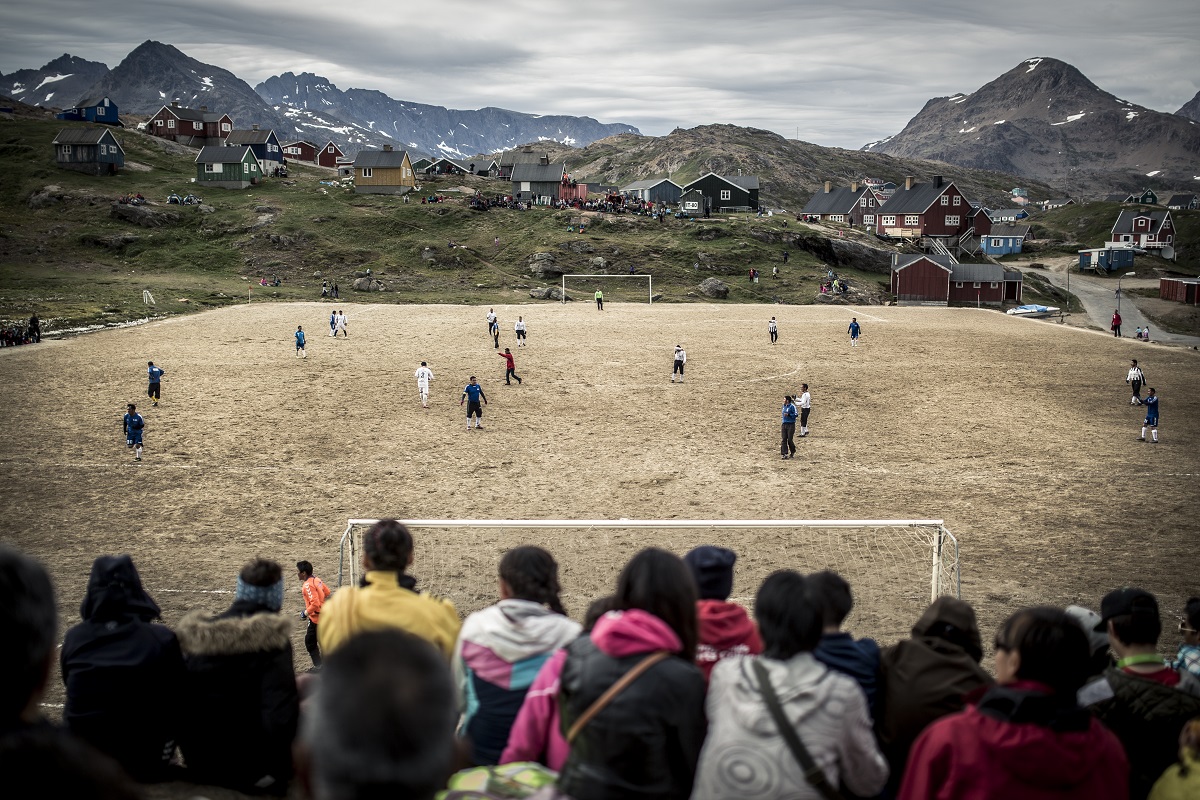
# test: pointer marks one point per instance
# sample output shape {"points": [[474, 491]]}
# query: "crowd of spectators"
{"points": [[667, 690], [16, 334]]}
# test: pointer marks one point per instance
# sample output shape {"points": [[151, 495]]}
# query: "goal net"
{"points": [[620, 288], [894, 567]]}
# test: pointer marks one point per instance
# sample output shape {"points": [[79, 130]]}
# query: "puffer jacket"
{"points": [[123, 673], [645, 744], [1181, 781], [745, 749], [242, 706], [1147, 717]]}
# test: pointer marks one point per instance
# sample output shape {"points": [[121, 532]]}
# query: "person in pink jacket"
{"points": [[536, 734]]}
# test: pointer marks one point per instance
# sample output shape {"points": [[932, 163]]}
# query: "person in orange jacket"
{"points": [[315, 592]]}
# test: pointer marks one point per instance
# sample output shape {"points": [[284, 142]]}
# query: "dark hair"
{"points": [[1053, 648], [45, 761], [29, 618], [660, 583], [532, 574], [383, 723], [596, 610], [388, 546], [1143, 626], [1191, 610], [305, 567], [788, 620], [261, 572], [830, 594]]}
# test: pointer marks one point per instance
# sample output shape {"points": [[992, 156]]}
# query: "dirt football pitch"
{"points": [[1019, 434]]}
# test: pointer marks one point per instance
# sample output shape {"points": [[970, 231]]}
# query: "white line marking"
{"points": [[195, 591]]}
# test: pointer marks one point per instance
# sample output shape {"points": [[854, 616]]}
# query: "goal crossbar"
{"points": [[647, 276], [943, 547]]}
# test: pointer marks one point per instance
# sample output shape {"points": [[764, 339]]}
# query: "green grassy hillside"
{"points": [[1072, 228]]}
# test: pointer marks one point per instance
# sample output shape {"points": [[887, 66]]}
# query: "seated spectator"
{"points": [[241, 704], [1145, 702], [1026, 737], [645, 741], [382, 724], [746, 753], [924, 678], [1097, 640], [502, 647], [44, 761], [725, 628], [1187, 657], [387, 597], [830, 595], [536, 734], [1181, 781], [124, 675]]}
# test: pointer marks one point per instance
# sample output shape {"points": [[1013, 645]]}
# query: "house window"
{"points": [[367, 172], [158, 123], [953, 220], [226, 127], [957, 200], [170, 123], [975, 285], [1126, 237], [329, 149], [912, 220], [525, 186], [725, 194], [1169, 238], [868, 219], [252, 166], [66, 149], [888, 221], [958, 284], [104, 149], [993, 285], [995, 242], [100, 111], [945, 199], [197, 126], [837, 218], [211, 168], [862, 202], [870, 202], [407, 172]]}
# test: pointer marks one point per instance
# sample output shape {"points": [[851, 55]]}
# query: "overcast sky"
{"points": [[834, 73]]}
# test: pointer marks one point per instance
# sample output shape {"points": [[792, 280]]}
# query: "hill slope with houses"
{"points": [[1045, 120]]}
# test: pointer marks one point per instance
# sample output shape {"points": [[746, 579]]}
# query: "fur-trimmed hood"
{"points": [[203, 634]]}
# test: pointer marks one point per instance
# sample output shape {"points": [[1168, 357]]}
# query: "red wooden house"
{"points": [[935, 209], [1142, 228], [984, 283], [193, 127], [921, 278], [329, 154], [299, 151]]}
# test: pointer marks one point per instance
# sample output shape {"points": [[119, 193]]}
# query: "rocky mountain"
{"points": [[364, 117], [1043, 119], [62, 82], [1191, 109], [154, 74]]}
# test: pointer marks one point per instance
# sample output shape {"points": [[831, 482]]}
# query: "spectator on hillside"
{"points": [[382, 724], [1145, 702], [831, 596], [1187, 657], [1181, 781], [725, 628], [645, 741], [387, 597], [501, 648], [924, 678], [746, 747], [124, 674], [1025, 737], [241, 705], [536, 734]]}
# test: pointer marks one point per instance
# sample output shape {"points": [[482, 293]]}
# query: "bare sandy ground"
{"points": [[1018, 433]]}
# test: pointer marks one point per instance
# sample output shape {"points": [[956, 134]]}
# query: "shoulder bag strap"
{"points": [[614, 690], [812, 773]]}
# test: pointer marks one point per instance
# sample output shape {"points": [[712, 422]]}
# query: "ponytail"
{"points": [[532, 574]]}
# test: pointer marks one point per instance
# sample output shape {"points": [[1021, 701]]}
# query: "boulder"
{"points": [[264, 210], [205, 209], [145, 216], [117, 240], [428, 254], [599, 263], [547, 293], [713, 287], [368, 285], [46, 196], [578, 246], [541, 265]]}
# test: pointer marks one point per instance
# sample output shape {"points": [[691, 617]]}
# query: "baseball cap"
{"points": [[1092, 625], [1125, 601]]}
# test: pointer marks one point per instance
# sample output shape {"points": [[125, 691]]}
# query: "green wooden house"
{"points": [[227, 167]]}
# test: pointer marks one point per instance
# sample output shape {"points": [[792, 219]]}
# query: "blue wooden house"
{"points": [[1005, 238], [101, 110], [92, 150], [264, 144], [1106, 258]]}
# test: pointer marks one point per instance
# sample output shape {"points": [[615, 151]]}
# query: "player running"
{"points": [[423, 375], [854, 330], [133, 424], [511, 371], [473, 392], [154, 390]]}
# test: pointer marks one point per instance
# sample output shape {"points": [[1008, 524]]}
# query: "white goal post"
{"points": [[895, 567], [649, 288]]}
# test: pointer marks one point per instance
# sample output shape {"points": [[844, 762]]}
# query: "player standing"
{"points": [[341, 325], [854, 330], [511, 371], [154, 391], [474, 393], [491, 319], [680, 360], [1135, 378], [495, 332], [773, 329], [787, 430], [519, 327], [599, 300], [805, 407], [423, 375], [333, 317], [1151, 421], [300, 352], [133, 424]]}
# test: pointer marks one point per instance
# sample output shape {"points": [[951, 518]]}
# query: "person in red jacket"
{"points": [[1026, 737], [315, 592], [511, 371], [725, 628]]}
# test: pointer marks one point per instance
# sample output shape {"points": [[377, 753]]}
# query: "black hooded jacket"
{"points": [[123, 673]]}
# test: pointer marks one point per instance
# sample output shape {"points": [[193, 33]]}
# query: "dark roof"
{"points": [[1060, 202], [219, 154], [381, 159], [1116, 198], [945, 262], [916, 200], [194, 114], [1014, 275], [977, 272], [83, 136], [522, 156], [296, 142], [838, 201], [91, 101], [648, 183], [1010, 229], [1124, 223], [1183, 200], [249, 137], [747, 182], [539, 173]]}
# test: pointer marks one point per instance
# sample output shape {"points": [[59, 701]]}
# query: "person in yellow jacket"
{"points": [[1182, 781], [315, 593], [387, 597]]}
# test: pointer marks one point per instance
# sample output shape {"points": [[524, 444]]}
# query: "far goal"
{"points": [[594, 282], [895, 567]]}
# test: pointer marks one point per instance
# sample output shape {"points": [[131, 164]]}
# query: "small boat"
{"points": [[1034, 311]]}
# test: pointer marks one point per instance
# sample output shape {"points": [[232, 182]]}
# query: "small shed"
{"points": [[977, 283], [1004, 238], [92, 150], [1106, 258], [1180, 290], [227, 167], [921, 279], [692, 202]]}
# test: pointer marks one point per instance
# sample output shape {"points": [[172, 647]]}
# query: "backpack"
{"points": [[520, 779]]}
